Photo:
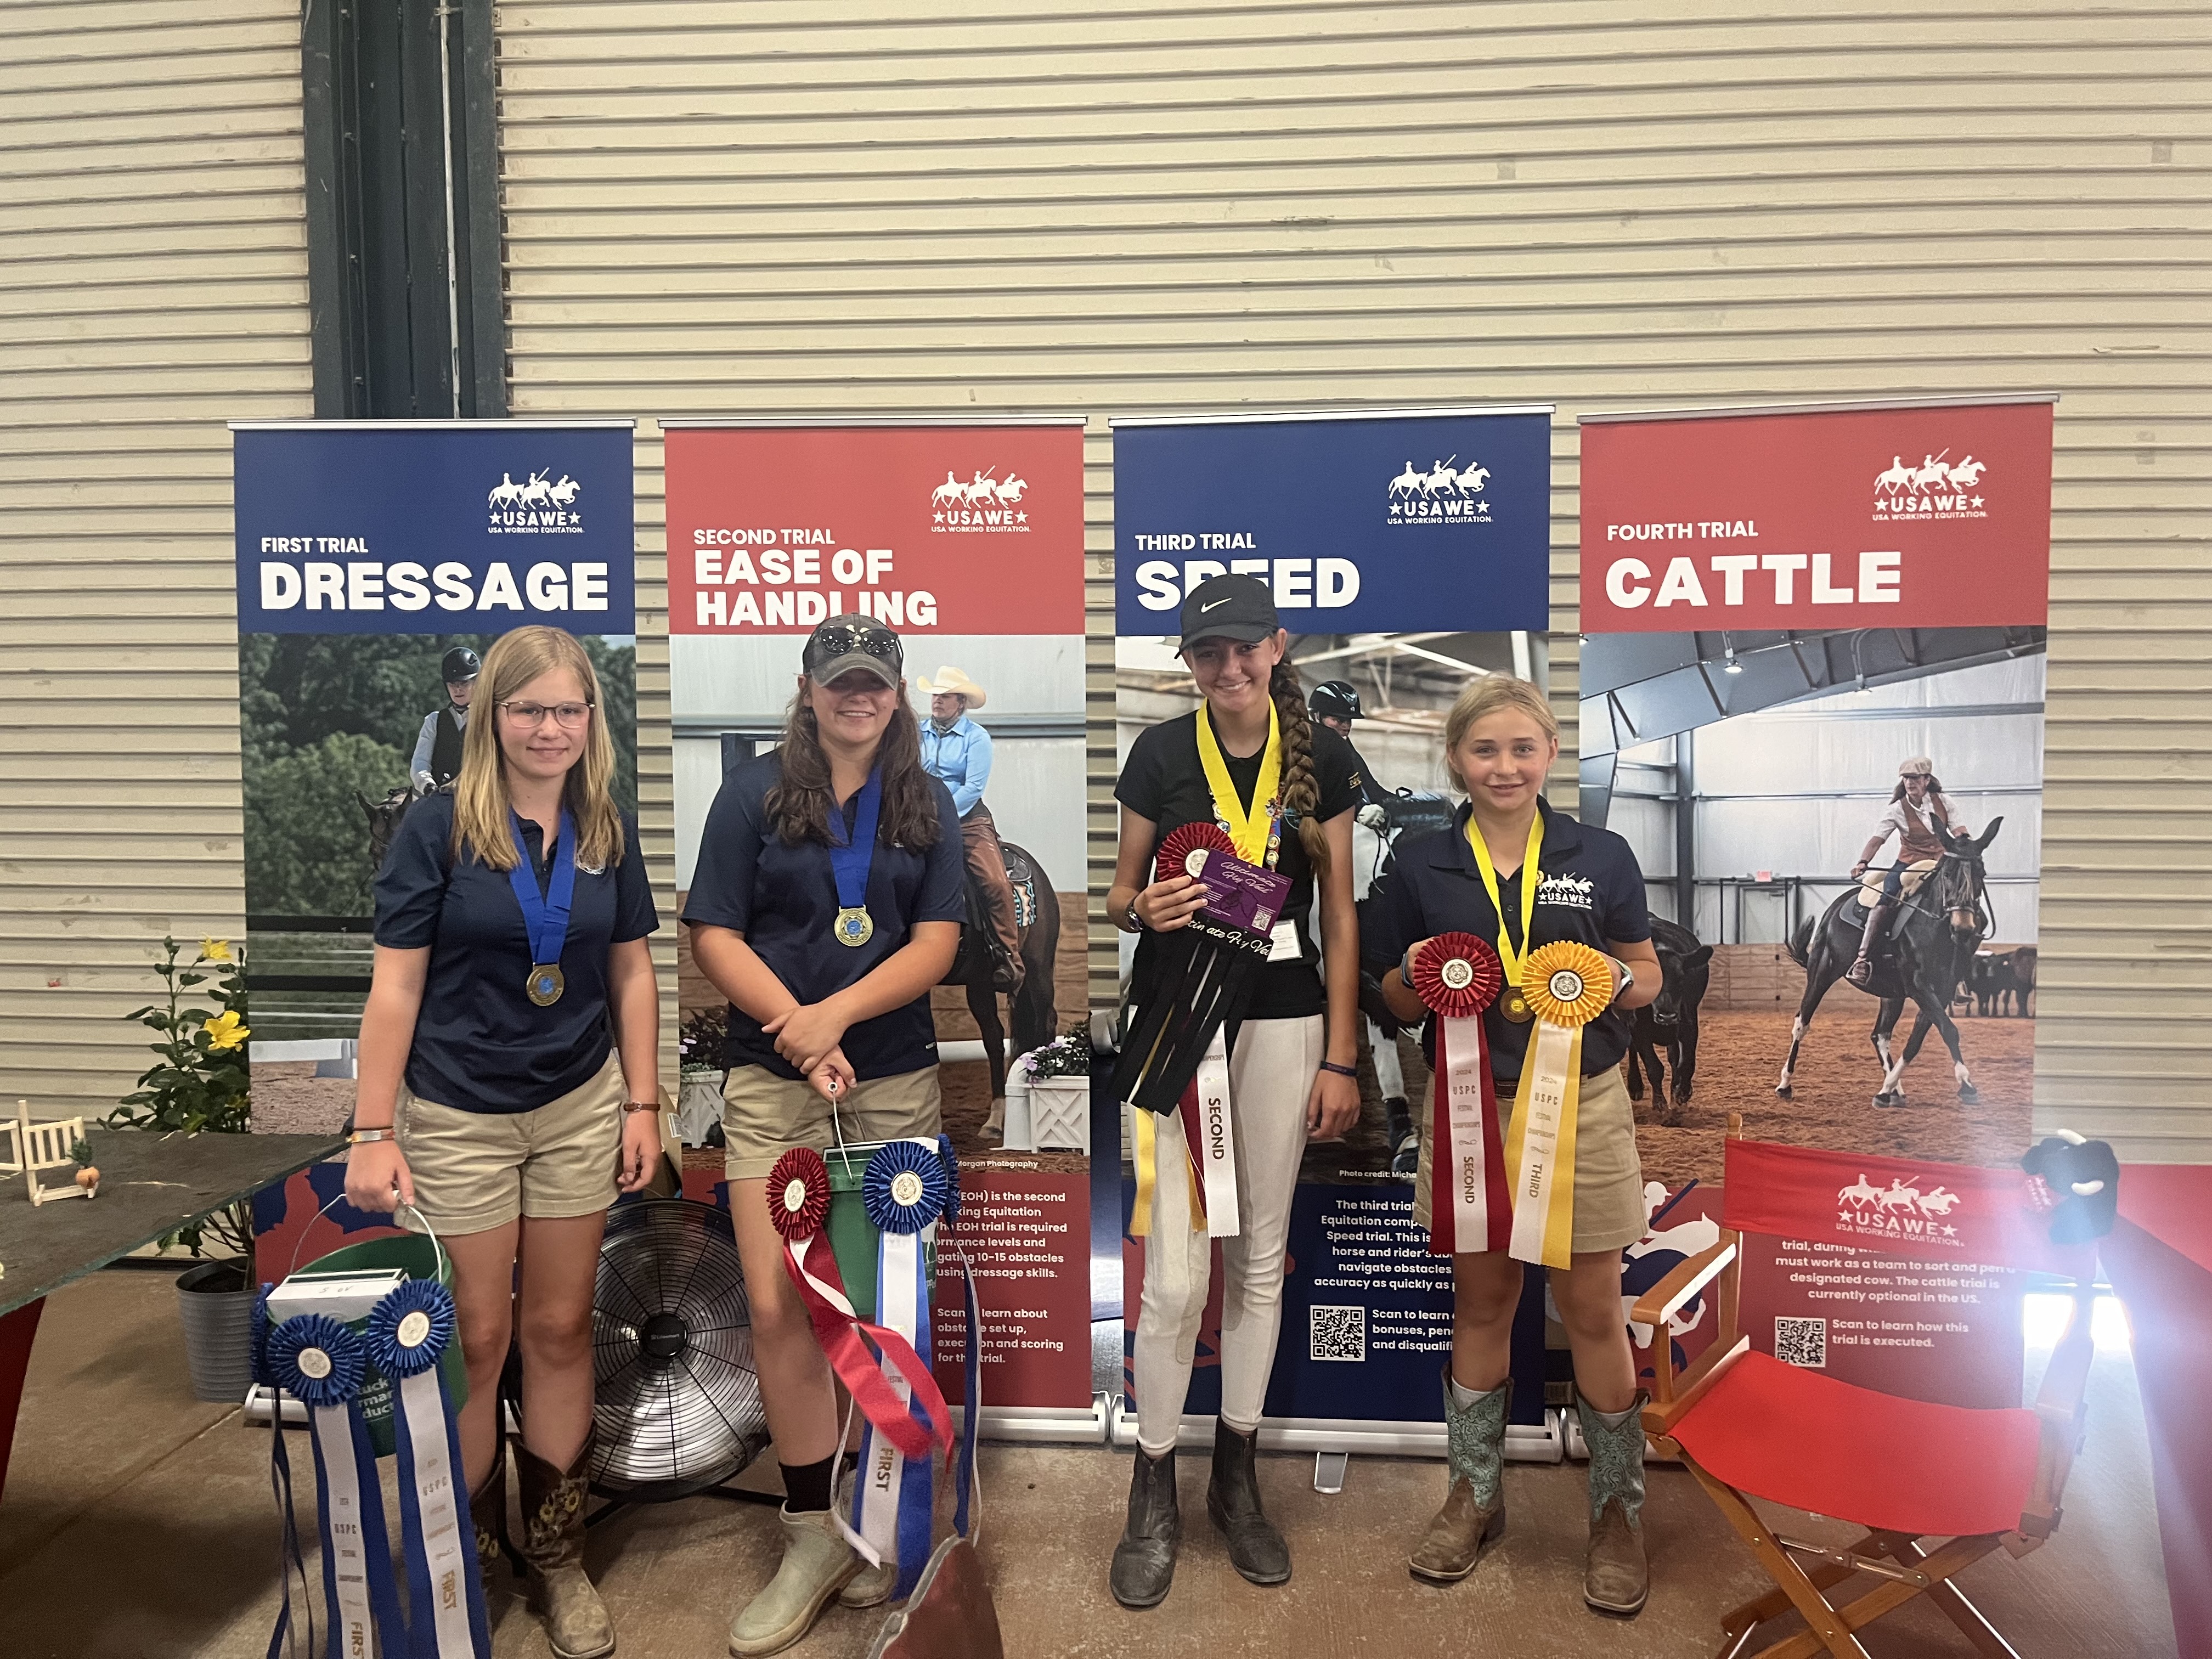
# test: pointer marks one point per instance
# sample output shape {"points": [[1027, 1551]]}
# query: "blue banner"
{"points": [[1359, 524], [358, 528]]}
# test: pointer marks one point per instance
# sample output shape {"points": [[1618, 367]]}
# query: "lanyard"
{"points": [[1254, 832], [1531, 875], [545, 916], [849, 859]]}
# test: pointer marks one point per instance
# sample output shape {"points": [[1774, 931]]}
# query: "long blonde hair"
{"points": [[1489, 695], [481, 801]]}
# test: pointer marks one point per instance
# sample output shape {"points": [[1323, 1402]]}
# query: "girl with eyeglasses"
{"points": [[508, 1079], [828, 899]]}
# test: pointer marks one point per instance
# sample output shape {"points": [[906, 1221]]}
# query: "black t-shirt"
{"points": [[783, 898], [481, 1045], [1165, 781], [1592, 892], [1370, 786]]}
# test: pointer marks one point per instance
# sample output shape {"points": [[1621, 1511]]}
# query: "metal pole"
{"points": [[452, 257], [1686, 832]]}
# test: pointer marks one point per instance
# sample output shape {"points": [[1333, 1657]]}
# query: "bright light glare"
{"points": [[2043, 1314]]}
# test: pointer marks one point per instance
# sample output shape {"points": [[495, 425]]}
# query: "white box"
{"points": [[346, 1297]]}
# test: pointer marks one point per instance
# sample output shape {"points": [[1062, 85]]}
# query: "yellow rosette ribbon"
{"points": [[1567, 985]]}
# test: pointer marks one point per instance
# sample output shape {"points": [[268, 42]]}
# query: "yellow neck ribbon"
{"points": [[1248, 829], [1532, 876]]}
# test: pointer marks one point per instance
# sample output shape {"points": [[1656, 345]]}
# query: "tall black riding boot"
{"points": [[1232, 1500], [1144, 1561], [1862, 970]]}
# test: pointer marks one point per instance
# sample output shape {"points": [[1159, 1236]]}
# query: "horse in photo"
{"points": [[1669, 1021], [1031, 1011], [1939, 929]]}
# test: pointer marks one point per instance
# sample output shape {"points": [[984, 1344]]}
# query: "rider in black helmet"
{"points": [[437, 759], [1335, 704]]}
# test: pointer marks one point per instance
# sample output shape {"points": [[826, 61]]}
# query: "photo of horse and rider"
{"points": [[1386, 694], [1000, 725], [1840, 835]]}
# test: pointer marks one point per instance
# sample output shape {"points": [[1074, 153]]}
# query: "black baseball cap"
{"points": [[853, 640], [1228, 608]]}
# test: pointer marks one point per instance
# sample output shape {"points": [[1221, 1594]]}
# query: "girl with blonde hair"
{"points": [[1514, 870], [509, 1063]]}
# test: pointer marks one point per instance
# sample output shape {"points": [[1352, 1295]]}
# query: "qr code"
{"points": [[1338, 1333], [1802, 1342]]}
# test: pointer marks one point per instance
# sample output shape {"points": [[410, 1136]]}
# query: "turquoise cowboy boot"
{"points": [[1616, 1578], [1474, 1514]]}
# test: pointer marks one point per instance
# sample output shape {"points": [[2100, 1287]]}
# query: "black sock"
{"points": [[806, 1485]]}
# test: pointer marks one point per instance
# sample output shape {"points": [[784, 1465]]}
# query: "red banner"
{"points": [[1934, 516], [1957, 1212], [934, 529]]}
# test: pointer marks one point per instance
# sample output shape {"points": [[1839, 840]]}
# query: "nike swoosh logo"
{"points": [[1216, 605]]}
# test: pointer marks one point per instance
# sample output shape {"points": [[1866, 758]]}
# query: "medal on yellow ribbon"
{"points": [[1567, 985], [1513, 1003]]}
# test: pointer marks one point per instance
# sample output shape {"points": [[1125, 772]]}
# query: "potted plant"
{"points": [[1058, 1076], [699, 1064], [200, 1084]]}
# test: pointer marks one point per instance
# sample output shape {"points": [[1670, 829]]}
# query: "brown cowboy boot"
{"points": [[1862, 970], [1616, 1577], [1474, 1514], [488, 1512], [576, 1622]]}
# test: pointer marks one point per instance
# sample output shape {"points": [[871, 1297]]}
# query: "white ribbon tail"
{"points": [[1469, 1177], [1217, 1148], [1534, 1183], [448, 1539], [342, 1530]]}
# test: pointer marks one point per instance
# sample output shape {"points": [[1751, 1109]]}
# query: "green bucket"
{"points": [[418, 1256], [852, 1237]]}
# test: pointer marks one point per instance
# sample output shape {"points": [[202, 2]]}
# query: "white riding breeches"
{"points": [[1390, 1073], [1270, 1076]]}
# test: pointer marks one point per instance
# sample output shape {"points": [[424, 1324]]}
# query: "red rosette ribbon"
{"points": [[798, 1193], [1457, 975], [1178, 844]]}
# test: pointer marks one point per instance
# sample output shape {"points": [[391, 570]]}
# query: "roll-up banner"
{"points": [[1812, 683], [1407, 554], [368, 553], [966, 537]]}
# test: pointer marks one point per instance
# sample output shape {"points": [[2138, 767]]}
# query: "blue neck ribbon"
{"points": [[545, 915], [849, 859]]}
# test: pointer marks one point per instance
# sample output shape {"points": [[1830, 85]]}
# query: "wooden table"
{"points": [[149, 1185]]}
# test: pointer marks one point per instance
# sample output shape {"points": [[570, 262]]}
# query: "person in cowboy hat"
{"points": [[1919, 814], [957, 752]]}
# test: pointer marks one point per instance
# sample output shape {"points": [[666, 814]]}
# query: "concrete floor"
{"points": [[138, 1524]]}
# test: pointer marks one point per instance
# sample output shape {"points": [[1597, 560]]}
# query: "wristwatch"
{"points": [[1131, 921], [363, 1137], [1627, 977]]}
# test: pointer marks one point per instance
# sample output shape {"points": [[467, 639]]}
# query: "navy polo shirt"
{"points": [[783, 898], [481, 1045], [1592, 892]]}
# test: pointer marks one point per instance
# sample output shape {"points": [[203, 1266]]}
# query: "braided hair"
{"points": [[1301, 784]]}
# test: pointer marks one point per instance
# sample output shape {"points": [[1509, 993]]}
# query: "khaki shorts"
{"points": [[764, 1116], [1609, 1180], [477, 1170]]}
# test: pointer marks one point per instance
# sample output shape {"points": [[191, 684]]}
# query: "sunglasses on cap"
{"points": [[833, 646]]}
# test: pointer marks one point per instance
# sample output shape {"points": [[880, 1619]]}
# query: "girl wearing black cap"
{"points": [[1248, 759], [511, 1042], [828, 899]]}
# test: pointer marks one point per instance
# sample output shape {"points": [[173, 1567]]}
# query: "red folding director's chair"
{"points": [[1936, 1488]]}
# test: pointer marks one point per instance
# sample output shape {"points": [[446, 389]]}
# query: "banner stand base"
{"points": [[1525, 1443], [1042, 1425]]}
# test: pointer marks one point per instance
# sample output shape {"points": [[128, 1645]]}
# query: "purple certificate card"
{"points": [[1241, 894]]}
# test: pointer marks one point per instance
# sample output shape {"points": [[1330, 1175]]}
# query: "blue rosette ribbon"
{"points": [[408, 1333], [904, 1191], [324, 1365]]}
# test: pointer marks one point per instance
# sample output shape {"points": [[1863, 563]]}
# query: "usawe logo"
{"points": [[537, 507], [985, 502], [1575, 892], [1445, 494], [1937, 489], [1898, 1211]]}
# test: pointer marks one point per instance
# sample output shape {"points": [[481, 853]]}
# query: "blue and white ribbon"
{"points": [[291, 1561], [408, 1333], [322, 1362], [903, 1191]]}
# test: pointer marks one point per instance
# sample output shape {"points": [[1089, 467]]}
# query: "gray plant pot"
{"points": [[215, 1301]]}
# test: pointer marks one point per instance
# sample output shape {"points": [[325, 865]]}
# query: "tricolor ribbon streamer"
{"points": [[320, 1361], [1202, 1145], [1457, 976], [1567, 985], [408, 1331], [904, 1190], [798, 1204]]}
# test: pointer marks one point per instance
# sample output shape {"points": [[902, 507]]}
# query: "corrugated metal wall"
{"points": [[812, 206], [153, 283]]}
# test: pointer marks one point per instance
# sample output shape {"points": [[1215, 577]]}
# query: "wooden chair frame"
{"points": [[1906, 1566], [26, 1148]]}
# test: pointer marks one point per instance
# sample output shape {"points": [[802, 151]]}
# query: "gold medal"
{"points": [[1514, 1006], [545, 984], [853, 926]]}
